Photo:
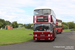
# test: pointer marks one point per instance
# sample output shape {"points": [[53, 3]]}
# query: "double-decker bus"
{"points": [[59, 26], [44, 21]]}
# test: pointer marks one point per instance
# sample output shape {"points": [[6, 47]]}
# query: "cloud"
{"points": [[11, 14], [63, 8], [12, 9], [20, 3]]}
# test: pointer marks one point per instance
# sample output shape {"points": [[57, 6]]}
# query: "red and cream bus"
{"points": [[44, 21], [59, 26]]}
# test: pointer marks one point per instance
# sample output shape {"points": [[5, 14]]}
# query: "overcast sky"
{"points": [[22, 10]]}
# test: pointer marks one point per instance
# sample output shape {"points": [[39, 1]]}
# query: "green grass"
{"points": [[66, 30], [15, 36]]}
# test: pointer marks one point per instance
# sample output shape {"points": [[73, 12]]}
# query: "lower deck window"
{"points": [[42, 27]]}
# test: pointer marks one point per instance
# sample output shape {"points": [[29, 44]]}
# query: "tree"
{"points": [[14, 24], [8, 22], [71, 25], [64, 23], [2, 23], [65, 26], [28, 26]]}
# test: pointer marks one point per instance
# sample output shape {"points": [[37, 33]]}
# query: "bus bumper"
{"points": [[42, 38]]}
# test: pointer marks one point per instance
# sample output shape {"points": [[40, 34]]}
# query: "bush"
{"points": [[28, 26], [65, 27]]}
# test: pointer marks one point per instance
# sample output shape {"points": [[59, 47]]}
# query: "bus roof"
{"points": [[58, 19], [42, 8]]}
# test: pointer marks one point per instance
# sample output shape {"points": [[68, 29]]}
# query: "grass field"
{"points": [[15, 36], [66, 30]]}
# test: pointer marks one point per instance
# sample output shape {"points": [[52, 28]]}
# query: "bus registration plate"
{"points": [[42, 35], [42, 39]]}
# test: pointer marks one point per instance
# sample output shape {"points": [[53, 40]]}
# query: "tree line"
{"points": [[68, 25], [3, 23]]}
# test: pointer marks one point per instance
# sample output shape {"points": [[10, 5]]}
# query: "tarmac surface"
{"points": [[64, 41]]}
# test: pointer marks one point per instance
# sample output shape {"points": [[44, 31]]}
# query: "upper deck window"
{"points": [[42, 12], [58, 20]]}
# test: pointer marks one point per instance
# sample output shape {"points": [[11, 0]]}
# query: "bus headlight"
{"points": [[48, 34], [48, 38], [35, 34], [35, 38]]}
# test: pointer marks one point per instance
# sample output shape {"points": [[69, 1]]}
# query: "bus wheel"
{"points": [[54, 39], [60, 32]]}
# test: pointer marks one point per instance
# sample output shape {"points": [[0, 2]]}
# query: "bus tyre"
{"points": [[60, 32], [54, 39]]}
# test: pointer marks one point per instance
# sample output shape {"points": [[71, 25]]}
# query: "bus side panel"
{"points": [[54, 24]]}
